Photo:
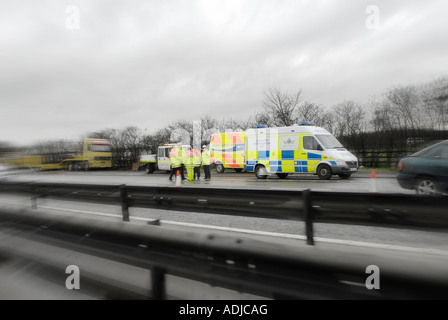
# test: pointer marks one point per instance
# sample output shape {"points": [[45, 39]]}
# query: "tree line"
{"points": [[402, 120]]}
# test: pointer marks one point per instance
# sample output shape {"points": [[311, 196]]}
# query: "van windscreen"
{"points": [[328, 141]]}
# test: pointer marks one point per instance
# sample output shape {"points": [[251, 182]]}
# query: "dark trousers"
{"points": [[197, 172], [173, 172], [207, 171], [182, 170]]}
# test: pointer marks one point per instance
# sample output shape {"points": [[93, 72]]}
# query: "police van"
{"points": [[301, 148], [298, 149]]}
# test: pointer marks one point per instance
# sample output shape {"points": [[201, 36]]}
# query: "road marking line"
{"points": [[358, 284], [317, 239], [276, 234], [262, 233]]}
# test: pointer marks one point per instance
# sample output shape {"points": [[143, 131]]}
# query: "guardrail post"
{"points": [[158, 283], [308, 212], [124, 202]]}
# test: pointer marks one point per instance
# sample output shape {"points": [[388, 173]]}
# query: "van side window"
{"points": [[167, 153], [162, 152], [310, 143]]}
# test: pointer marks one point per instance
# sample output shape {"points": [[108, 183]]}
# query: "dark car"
{"points": [[426, 171]]}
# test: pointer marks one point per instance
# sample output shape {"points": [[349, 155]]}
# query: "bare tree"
{"points": [[308, 111], [181, 131], [127, 146], [61, 146], [349, 118], [279, 108], [153, 141], [232, 124], [326, 120], [381, 118], [404, 106], [435, 103], [209, 126], [100, 134], [133, 142]]}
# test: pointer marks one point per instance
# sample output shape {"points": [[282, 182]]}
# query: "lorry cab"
{"points": [[302, 148], [163, 158], [97, 153]]}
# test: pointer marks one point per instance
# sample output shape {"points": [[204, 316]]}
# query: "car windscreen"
{"points": [[102, 148], [328, 141]]}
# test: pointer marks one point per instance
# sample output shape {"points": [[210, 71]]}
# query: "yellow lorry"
{"points": [[96, 153]]}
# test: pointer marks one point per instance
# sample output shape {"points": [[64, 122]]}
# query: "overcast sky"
{"points": [[149, 63]]}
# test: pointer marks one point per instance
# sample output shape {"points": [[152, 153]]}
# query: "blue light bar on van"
{"points": [[305, 123], [261, 126]]}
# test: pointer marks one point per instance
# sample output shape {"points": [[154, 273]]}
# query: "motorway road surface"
{"points": [[333, 233], [359, 182]]}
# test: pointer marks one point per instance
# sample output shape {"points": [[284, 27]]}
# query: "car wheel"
{"points": [[260, 172], [324, 172], [426, 186], [282, 175], [345, 175], [220, 168]]}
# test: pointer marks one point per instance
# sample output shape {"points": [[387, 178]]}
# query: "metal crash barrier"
{"points": [[271, 270], [369, 209]]}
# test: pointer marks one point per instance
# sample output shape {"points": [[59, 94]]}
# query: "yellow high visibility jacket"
{"points": [[196, 158], [206, 158], [190, 158], [176, 162], [185, 157]]}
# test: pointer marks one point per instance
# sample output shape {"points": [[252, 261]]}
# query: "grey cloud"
{"points": [[149, 63]]}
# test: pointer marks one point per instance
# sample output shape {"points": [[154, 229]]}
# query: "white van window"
{"points": [[329, 141], [310, 143]]}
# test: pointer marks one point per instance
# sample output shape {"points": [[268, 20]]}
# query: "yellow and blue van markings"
{"points": [[288, 164], [314, 156], [282, 166]]}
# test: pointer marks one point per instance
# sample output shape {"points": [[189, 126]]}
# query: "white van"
{"points": [[302, 148]]}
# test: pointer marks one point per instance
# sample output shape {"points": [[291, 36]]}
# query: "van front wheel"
{"points": [[220, 168], [324, 172], [260, 172]]}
